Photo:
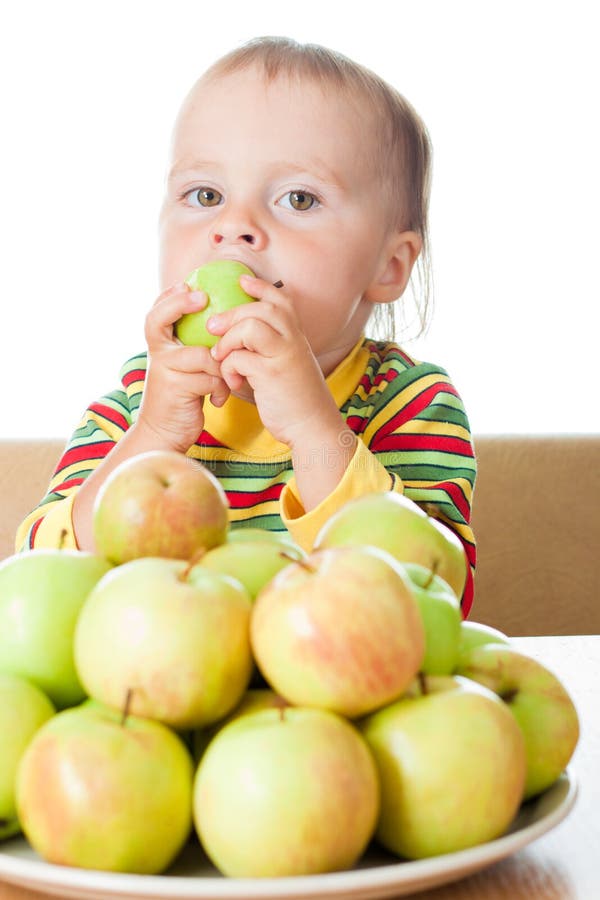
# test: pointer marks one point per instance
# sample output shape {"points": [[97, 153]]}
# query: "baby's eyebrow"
{"points": [[186, 167], [311, 168], [314, 168]]}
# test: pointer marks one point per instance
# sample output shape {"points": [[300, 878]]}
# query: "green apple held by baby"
{"points": [[100, 789], [392, 522], [220, 281], [286, 792], [159, 503], [176, 634], [41, 595], [451, 762], [24, 708], [540, 703]]}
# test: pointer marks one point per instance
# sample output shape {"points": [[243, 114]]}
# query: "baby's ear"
{"points": [[400, 255]]}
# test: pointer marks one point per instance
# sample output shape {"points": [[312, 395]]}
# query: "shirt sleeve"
{"points": [[364, 475], [415, 439], [50, 523]]}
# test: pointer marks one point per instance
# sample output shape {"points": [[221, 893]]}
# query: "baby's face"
{"points": [[279, 176]]}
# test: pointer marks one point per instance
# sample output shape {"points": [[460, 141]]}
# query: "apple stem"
{"points": [[509, 696], [126, 706], [423, 683], [281, 707], [281, 704], [62, 538], [193, 561], [301, 562], [432, 574]]}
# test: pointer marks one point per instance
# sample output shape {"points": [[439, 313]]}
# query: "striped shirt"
{"points": [[414, 438]]}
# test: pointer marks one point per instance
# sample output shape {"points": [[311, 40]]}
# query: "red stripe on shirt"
{"points": [[412, 409], [369, 383], [97, 450], [425, 443], [357, 423], [243, 499], [454, 492], [133, 376], [33, 532], [207, 440], [110, 414], [467, 598], [65, 485]]}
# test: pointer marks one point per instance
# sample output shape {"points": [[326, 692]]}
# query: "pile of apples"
{"points": [[191, 679]]}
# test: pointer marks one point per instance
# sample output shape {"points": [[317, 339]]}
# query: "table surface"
{"points": [[563, 864]]}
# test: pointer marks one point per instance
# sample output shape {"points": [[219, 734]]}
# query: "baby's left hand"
{"points": [[264, 344]]}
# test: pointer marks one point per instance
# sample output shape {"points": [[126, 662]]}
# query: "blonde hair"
{"points": [[402, 145]]}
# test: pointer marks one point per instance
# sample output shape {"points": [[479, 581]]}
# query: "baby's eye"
{"points": [[204, 197], [299, 200]]}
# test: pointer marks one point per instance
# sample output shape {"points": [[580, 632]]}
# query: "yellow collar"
{"points": [[237, 424]]}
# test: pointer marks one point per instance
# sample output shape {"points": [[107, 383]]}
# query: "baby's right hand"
{"points": [[178, 377]]}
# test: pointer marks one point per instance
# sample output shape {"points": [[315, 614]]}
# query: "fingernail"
{"points": [[197, 298]]}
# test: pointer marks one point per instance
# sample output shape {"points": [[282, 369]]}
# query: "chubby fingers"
{"points": [[201, 372], [254, 326], [168, 307]]}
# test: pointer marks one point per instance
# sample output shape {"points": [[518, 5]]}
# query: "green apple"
{"points": [[252, 561], [23, 710], [286, 792], [159, 503], [340, 630], [220, 281], [540, 704], [475, 634], [451, 765], [174, 634], [394, 523], [442, 617], [41, 594], [254, 700], [100, 790]]}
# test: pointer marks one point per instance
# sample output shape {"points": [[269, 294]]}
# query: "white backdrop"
{"points": [[509, 92]]}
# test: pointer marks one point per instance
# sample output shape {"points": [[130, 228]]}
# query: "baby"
{"points": [[314, 172]]}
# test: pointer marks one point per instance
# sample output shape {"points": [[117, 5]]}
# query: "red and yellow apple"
{"points": [[286, 792], [451, 762], [99, 790], [159, 503], [340, 630], [176, 636], [395, 523]]}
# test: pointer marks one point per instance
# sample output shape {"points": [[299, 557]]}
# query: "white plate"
{"points": [[378, 874]]}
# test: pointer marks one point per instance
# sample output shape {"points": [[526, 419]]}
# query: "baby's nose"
{"points": [[238, 228], [249, 238]]}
